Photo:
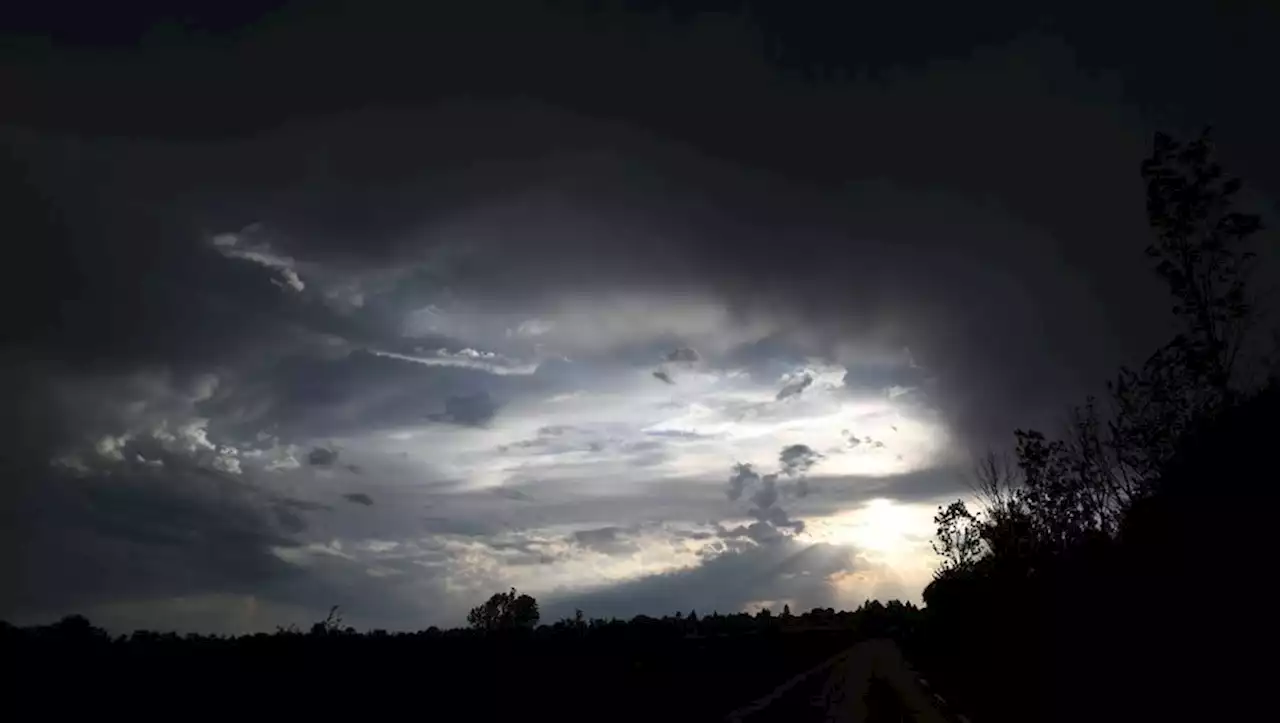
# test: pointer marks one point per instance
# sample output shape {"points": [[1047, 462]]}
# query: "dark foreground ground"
{"points": [[663, 678]]}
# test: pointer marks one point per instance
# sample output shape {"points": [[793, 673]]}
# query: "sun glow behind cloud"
{"points": [[892, 541], [631, 428], [886, 530]]}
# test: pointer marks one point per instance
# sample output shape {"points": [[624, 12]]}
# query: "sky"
{"points": [[636, 307]]}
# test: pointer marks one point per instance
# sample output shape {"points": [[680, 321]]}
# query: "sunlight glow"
{"points": [[882, 529]]}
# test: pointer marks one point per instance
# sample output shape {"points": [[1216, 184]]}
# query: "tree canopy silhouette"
{"points": [[505, 611], [1027, 607]]}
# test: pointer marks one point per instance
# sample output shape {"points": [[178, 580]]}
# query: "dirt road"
{"points": [[868, 683]]}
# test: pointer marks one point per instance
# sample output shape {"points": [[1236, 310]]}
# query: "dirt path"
{"points": [[868, 683]]}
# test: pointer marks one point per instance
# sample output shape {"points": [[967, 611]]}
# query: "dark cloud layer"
{"points": [[472, 409], [609, 540], [358, 498], [322, 456], [84, 541], [1004, 303]]}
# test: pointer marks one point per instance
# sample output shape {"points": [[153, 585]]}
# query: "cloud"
{"points": [[289, 513], [772, 521], [358, 498], [797, 459], [684, 354], [743, 476], [608, 540], [795, 387], [466, 359], [533, 327], [242, 246], [226, 463], [132, 535], [678, 360], [144, 421], [290, 279], [767, 495], [322, 456], [471, 410], [512, 494]]}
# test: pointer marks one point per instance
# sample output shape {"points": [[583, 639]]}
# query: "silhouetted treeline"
{"points": [[679, 667], [1102, 575]]}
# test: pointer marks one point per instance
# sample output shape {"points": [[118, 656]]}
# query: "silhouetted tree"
{"points": [[957, 539], [1106, 510], [1064, 492], [1200, 252], [505, 611]]}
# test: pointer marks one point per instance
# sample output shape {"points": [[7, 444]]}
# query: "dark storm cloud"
{"points": [[900, 372], [471, 410], [322, 456], [290, 513], [609, 540], [305, 395], [982, 211], [358, 498], [887, 274], [125, 255], [135, 536], [684, 354]]}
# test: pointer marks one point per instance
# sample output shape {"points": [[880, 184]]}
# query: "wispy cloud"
{"points": [[241, 246], [484, 361]]}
